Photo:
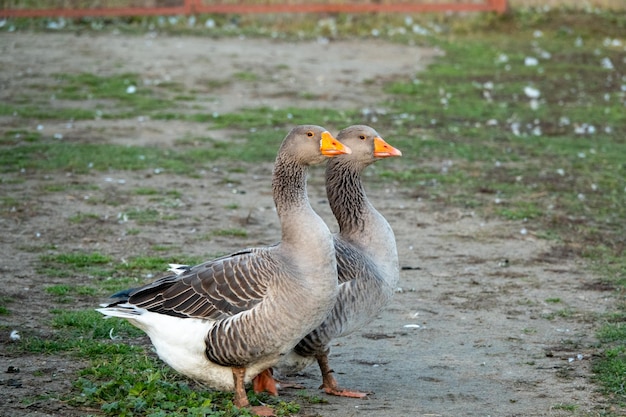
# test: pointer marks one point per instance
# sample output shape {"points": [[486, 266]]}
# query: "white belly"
{"points": [[180, 343]]}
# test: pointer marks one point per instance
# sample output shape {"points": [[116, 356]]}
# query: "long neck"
{"points": [[346, 197], [289, 185], [359, 222], [292, 203]]}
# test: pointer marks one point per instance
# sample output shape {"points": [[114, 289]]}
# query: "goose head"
{"points": [[366, 144], [311, 145]]}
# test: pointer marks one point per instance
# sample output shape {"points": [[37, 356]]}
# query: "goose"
{"points": [[367, 258], [224, 321]]}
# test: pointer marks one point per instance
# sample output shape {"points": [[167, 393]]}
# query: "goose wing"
{"points": [[351, 262], [219, 288]]}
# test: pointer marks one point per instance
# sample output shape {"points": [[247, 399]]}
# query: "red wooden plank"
{"points": [[344, 8], [197, 6], [347, 7]]}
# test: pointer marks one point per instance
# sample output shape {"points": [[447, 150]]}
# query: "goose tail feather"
{"points": [[124, 311]]}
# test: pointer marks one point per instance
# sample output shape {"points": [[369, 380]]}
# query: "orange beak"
{"points": [[330, 146], [384, 150]]}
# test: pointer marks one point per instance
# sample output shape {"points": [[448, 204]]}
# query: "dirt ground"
{"points": [[469, 332]]}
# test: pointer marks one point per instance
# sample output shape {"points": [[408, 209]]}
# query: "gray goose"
{"points": [[224, 321], [367, 258]]}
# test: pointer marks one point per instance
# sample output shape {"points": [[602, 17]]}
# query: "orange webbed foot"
{"points": [[341, 392], [265, 382]]}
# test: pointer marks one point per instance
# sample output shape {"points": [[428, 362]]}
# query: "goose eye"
{"points": [[310, 134], [362, 137]]}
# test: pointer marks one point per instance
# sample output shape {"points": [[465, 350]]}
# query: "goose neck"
{"points": [[289, 187], [347, 197]]}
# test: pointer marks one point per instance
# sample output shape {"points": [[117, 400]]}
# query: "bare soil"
{"points": [[488, 321]]}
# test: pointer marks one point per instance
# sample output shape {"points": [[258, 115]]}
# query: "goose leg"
{"points": [[329, 383], [241, 398]]}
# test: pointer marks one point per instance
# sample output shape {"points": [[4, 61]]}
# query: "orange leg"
{"points": [[329, 383], [241, 398]]}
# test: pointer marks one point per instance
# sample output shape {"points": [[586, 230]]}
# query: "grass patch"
{"points": [[124, 380], [143, 264], [521, 211], [80, 158], [565, 407], [83, 157], [231, 232], [82, 333], [83, 218], [312, 398], [563, 313], [76, 263], [149, 216], [140, 385], [16, 136], [90, 96], [613, 332], [610, 372], [146, 191], [4, 305], [60, 187], [264, 117], [246, 76], [77, 260], [64, 292]]}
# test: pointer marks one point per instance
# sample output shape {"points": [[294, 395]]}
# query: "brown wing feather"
{"points": [[215, 289]]}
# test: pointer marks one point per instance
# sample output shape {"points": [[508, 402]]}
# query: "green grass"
{"points": [[65, 293], [66, 265], [4, 305], [312, 399], [61, 187], [78, 260], [156, 264], [110, 276], [264, 117], [81, 158], [16, 136], [81, 333], [610, 372], [246, 76], [140, 385], [90, 96], [610, 367], [565, 407], [231, 232], [83, 217], [124, 380], [146, 191]]}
